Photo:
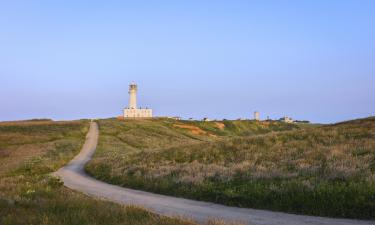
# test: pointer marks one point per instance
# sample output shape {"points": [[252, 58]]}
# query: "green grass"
{"points": [[317, 170], [29, 152]]}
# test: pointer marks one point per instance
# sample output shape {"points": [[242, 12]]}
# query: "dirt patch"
{"points": [[219, 125], [193, 129], [13, 156]]}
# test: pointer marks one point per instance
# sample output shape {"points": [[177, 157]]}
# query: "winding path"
{"points": [[75, 178]]}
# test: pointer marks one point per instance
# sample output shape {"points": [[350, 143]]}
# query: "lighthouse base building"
{"points": [[132, 111], [137, 113]]}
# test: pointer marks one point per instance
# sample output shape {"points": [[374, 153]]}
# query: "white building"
{"points": [[132, 111], [174, 117], [286, 119], [256, 115]]}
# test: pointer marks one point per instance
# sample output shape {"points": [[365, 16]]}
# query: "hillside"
{"points": [[29, 152], [326, 170]]}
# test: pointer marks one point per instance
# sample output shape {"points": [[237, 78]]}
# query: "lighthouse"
{"points": [[132, 111]]}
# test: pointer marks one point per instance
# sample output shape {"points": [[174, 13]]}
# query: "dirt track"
{"points": [[75, 178]]}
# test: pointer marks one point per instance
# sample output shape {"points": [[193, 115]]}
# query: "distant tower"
{"points": [[132, 96], [256, 115]]}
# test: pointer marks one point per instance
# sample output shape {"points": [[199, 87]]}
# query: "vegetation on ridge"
{"points": [[29, 152], [325, 171]]}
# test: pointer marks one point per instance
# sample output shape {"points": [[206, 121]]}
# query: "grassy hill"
{"points": [[324, 170], [29, 152]]}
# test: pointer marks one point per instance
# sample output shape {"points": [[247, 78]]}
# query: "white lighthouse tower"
{"points": [[132, 96], [132, 111]]}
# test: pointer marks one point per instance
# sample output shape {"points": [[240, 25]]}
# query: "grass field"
{"points": [[29, 152], [317, 170]]}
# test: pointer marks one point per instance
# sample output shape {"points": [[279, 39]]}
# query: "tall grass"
{"points": [[325, 171], [29, 152]]}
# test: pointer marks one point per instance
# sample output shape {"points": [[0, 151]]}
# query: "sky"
{"points": [[71, 59]]}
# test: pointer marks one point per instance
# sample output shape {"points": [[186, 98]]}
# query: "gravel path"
{"points": [[75, 178]]}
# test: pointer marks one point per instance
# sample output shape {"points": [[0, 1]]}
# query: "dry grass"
{"points": [[30, 151], [193, 129], [325, 170], [219, 125]]}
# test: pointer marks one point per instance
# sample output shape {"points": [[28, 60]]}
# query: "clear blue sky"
{"points": [[311, 60]]}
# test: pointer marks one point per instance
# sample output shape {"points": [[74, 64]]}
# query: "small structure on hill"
{"points": [[286, 119], [174, 117], [256, 115], [132, 111]]}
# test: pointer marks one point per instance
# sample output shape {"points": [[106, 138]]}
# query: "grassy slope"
{"points": [[119, 139], [326, 170], [29, 152]]}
